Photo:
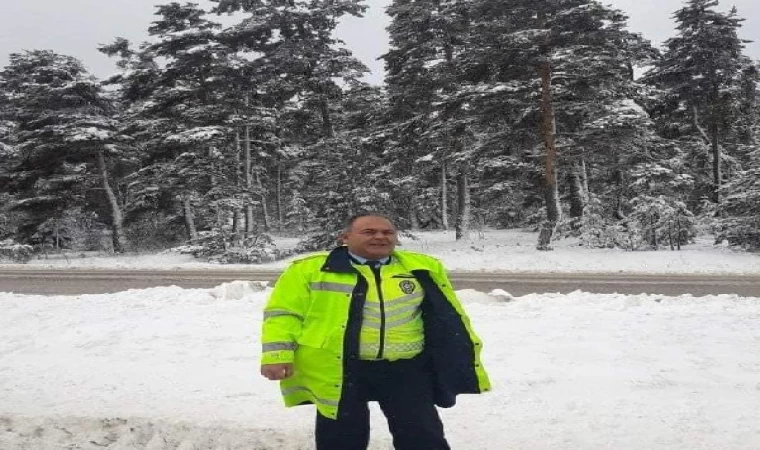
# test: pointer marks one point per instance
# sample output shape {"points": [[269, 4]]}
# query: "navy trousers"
{"points": [[404, 391]]}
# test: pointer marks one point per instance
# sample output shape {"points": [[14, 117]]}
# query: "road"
{"points": [[81, 281]]}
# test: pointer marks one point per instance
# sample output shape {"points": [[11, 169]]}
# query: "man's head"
{"points": [[371, 236]]}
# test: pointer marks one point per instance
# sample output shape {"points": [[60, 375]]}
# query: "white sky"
{"points": [[76, 27]]}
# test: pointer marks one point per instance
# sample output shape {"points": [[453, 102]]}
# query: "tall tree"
{"points": [[66, 135], [300, 72], [179, 109], [700, 73], [560, 66], [428, 122]]}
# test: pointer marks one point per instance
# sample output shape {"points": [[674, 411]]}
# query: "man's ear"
{"points": [[342, 237]]}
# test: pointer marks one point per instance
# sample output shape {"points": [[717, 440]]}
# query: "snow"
{"points": [[90, 134], [169, 368], [489, 250], [197, 134]]}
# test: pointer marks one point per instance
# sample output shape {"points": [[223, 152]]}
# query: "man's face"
{"points": [[371, 237]]}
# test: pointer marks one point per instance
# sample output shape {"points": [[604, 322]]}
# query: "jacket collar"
{"points": [[338, 260]]}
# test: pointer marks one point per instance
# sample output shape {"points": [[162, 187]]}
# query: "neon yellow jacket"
{"points": [[313, 319]]}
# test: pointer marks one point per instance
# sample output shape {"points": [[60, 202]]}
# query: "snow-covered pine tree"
{"points": [[66, 137], [659, 215], [429, 135], [740, 224], [178, 115], [740, 214], [192, 85], [345, 174], [700, 74], [153, 214], [559, 66], [414, 164], [302, 66], [8, 159]]}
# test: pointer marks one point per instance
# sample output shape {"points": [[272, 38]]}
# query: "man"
{"points": [[366, 322]]}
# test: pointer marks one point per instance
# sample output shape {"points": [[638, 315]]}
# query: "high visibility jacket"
{"points": [[392, 326], [314, 320]]}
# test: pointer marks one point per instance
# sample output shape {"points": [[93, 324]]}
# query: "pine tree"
{"points": [[178, 113], [559, 66], [430, 136], [66, 135], [296, 72], [700, 74], [740, 224]]}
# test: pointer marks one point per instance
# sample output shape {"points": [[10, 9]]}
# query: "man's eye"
{"points": [[374, 232]]}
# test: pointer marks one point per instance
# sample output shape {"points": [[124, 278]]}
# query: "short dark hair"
{"points": [[351, 220]]}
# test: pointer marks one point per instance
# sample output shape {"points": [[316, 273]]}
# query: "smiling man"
{"points": [[366, 322]]}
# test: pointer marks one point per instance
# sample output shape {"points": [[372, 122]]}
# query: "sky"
{"points": [[77, 27]]}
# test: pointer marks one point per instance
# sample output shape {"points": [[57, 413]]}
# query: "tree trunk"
{"points": [[714, 129], [248, 183], [327, 127], [212, 167], [463, 203], [584, 180], [279, 195], [444, 198], [117, 218], [263, 198], [577, 194], [716, 157], [548, 131], [187, 209], [237, 217], [414, 220], [618, 177]]}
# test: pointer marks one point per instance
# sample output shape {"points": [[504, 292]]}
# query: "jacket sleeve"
{"points": [[283, 317]]}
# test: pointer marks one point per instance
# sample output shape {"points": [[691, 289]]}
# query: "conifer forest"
{"points": [[546, 115]]}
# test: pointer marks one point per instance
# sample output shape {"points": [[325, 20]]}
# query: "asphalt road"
{"points": [[73, 282]]}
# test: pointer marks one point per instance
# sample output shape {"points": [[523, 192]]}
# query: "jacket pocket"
{"points": [[312, 338]]}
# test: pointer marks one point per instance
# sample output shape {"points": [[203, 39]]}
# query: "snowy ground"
{"points": [[168, 368], [493, 250]]}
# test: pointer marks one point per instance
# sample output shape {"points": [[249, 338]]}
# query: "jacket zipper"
{"points": [[378, 281]]}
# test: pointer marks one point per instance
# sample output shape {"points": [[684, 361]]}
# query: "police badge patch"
{"points": [[407, 286]]}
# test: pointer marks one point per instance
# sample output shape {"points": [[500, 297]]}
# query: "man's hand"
{"points": [[277, 371]]}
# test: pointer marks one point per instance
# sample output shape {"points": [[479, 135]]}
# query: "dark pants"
{"points": [[404, 391]]}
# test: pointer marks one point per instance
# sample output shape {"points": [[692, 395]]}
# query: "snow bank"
{"points": [[175, 368]]}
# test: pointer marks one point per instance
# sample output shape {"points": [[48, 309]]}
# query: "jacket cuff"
{"points": [[278, 357]]}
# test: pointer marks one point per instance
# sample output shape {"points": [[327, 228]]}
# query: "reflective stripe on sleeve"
{"points": [[277, 313], [277, 346], [294, 389], [332, 287]]}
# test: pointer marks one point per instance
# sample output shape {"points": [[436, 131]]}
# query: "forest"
{"points": [[546, 115]]}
